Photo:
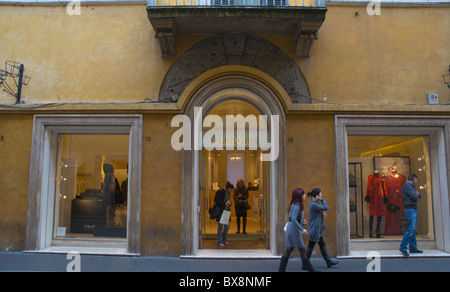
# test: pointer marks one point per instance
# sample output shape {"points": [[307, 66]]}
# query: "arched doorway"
{"points": [[254, 93], [244, 161]]}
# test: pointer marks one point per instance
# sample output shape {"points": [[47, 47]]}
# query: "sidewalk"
{"points": [[38, 262]]}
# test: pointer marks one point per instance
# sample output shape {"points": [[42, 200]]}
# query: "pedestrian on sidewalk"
{"points": [[316, 224], [294, 232], [410, 197]]}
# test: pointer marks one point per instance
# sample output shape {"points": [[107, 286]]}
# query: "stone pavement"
{"points": [[51, 262]]}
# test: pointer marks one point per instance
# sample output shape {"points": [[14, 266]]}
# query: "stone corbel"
{"points": [[304, 41], [166, 33], [304, 35]]}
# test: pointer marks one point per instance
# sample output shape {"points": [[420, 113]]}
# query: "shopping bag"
{"points": [[225, 218]]}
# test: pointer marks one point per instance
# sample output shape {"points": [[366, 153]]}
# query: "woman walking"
{"points": [[317, 224], [294, 232]]}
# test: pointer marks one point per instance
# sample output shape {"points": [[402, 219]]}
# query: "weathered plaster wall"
{"points": [[161, 189], [15, 147], [310, 164], [109, 53]]}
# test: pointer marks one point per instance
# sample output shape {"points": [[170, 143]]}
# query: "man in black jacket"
{"points": [[410, 198]]}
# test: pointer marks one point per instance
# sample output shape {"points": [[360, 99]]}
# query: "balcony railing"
{"points": [[238, 3]]}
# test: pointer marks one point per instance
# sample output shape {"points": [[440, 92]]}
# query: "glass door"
{"points": [[264, 202]]}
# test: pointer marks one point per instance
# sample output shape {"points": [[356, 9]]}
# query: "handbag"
{"points": [[322, 225], [225, 218], [285, 227], [214, 212], [244, 206]]}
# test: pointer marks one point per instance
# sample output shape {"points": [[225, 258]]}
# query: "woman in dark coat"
{"points": [[240, 196], [294, 232], [317, 224]]}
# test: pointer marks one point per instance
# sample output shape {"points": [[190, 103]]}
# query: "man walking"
{"points": [[410, 198]]}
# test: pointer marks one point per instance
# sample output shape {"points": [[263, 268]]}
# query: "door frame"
{"points": [[268, 103]]}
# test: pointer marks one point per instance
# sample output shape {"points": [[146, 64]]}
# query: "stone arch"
{"points": [[234, 49]]}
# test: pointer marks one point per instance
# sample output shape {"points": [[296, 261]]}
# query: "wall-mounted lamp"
{"points": [[446, 77], [14, 70]]}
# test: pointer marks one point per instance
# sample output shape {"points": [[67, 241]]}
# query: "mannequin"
{"points": [[376, 197], [394, 182]]}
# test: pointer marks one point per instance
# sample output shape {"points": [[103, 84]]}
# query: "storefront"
{"points": [[376, 154], [103, 153], [67, 201]]}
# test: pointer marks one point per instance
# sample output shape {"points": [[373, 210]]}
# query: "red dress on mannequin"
{"points": [[394, 183], [376, 191]]}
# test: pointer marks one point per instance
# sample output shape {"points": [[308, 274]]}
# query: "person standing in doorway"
{"points": [[316, 224], [222, 199], [295, 231], [241, 205], [410, 197]]}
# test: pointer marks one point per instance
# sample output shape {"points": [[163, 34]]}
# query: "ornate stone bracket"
{"points": [[166, 33], [304, 35], [304, 41]]}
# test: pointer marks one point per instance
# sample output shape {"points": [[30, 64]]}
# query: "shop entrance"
{"points": [[217, 167], [245, 98]]}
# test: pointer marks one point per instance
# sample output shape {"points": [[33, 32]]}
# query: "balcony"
{"points": [[300, 19]]}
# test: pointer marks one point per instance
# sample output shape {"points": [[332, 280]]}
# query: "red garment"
{"points": [[394, 183], [376, 191]]}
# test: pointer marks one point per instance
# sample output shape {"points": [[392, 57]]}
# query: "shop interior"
{"points": [[389, 159], [219, 166], [91, 187]]}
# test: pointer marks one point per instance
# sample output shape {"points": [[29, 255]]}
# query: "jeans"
{"points": [[410, 234], [222, 231]]}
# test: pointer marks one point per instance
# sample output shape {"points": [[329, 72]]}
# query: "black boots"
{"points": [[323, 251], [244, 224], [305, 260], [306, 264], [377, 230], [283, 264], [326, 257]]}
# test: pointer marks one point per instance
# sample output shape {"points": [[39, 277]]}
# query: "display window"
{"points": [[378, 167], [91, 186], [374, 156], [85, 183]]}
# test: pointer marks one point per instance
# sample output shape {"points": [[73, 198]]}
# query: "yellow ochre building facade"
{"points": [[349, 90]]}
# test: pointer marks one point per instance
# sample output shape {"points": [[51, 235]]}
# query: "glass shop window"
{"points": [[378, 168], [91, 186]]}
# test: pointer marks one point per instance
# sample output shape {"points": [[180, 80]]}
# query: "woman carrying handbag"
{"points": [[295, 231], [222, 200]]}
